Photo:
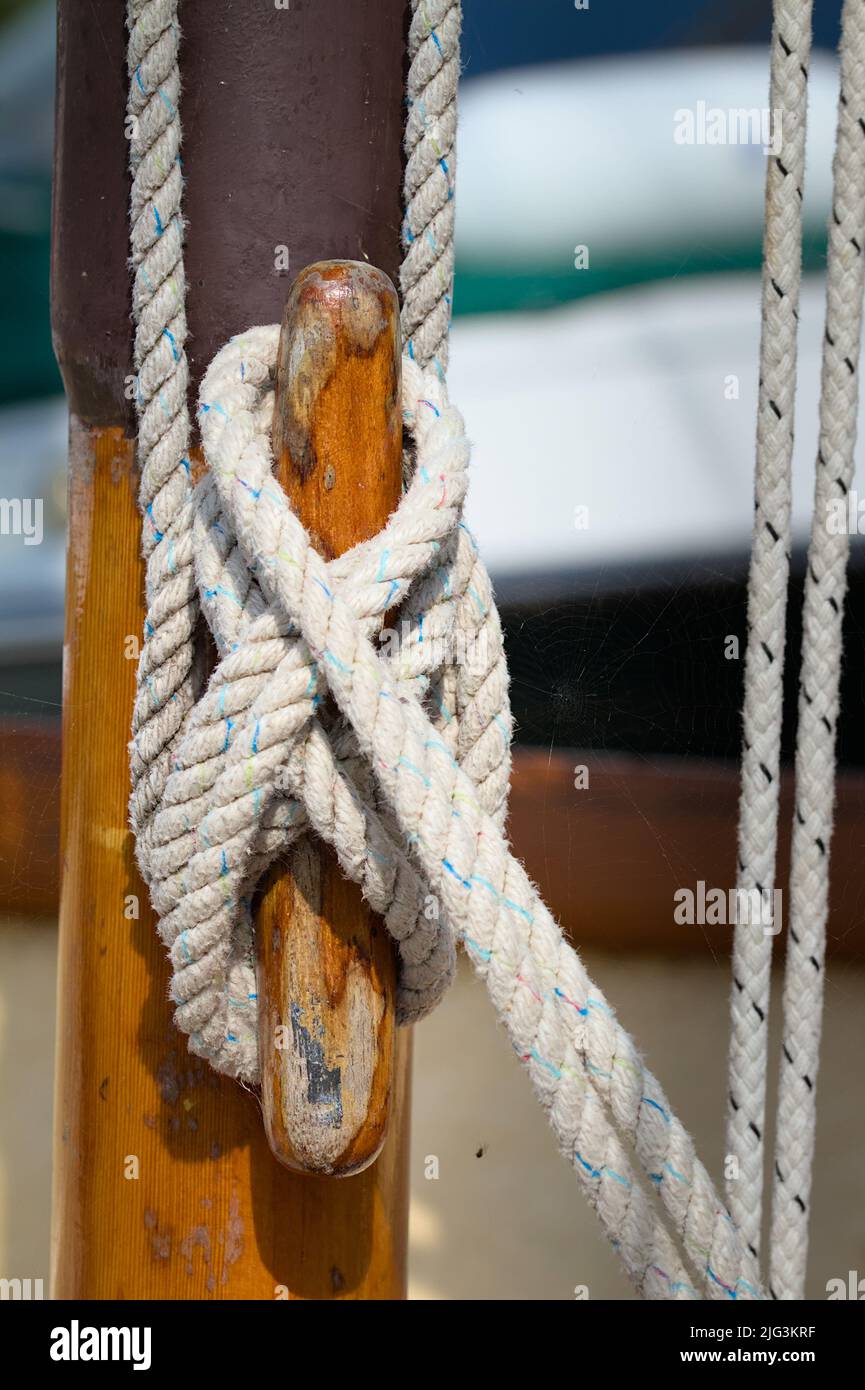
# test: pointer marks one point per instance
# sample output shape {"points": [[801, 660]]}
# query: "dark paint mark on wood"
{"points": [[324, 1083]]}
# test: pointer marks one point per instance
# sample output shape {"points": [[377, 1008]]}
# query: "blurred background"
{"points": [[604, 354]]}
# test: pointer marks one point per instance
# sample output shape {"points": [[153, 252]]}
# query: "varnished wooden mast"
{"points": [[164, 1183]]}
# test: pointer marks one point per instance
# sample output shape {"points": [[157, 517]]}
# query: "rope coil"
{"points": [[584, 1067], [255, 766]]}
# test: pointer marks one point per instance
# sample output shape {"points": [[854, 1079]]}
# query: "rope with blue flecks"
{"points": [[601, 1099], [427, 271], [410, 783]]}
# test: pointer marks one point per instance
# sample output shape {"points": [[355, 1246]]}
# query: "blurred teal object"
{"points": [[27, 365], [27, 41], [514, 287]]}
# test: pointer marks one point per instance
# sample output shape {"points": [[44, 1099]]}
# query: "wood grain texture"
{"points": [[165, 1186], [327, 974]]}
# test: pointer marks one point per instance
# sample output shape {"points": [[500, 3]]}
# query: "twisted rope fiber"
{"points": [[767, 603], [427, 270], [410, 783], [825, 587], [168, 674], [248, 362]]}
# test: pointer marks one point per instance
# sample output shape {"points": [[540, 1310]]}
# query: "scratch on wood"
{"points": [[160, 1241], [198, 1238], [234, 1236], [167, 1079]]}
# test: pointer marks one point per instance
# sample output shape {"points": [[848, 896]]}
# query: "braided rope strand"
{"points": [[767, 604], [825, 586]]}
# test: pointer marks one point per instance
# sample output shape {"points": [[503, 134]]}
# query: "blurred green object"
{"points": [[509, 288], [8, 8], [27, 40], [27, 365]]}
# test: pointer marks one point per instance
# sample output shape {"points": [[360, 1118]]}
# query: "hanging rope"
{"points": [[226, 776], [427, 270], [825, 587], [767, 604], [168, 673]]}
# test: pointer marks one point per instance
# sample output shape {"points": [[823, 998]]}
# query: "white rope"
{"points": [[825, 584], [767, 602], [427, 271], [410, 784], [577, 1055], [825, 587], [167, 674]]}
